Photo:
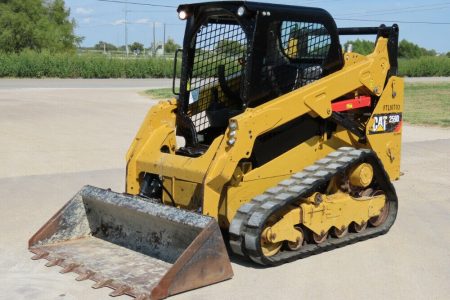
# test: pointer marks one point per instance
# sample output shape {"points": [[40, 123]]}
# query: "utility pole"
{"points": [[126, 27], [164, 40], [154, 40]]}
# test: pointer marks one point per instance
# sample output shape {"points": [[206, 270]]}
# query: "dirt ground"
{"points": [[55, 140]]}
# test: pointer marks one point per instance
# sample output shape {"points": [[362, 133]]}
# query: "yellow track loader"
{"points": [[278, 145]]}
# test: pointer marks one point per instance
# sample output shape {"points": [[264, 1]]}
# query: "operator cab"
{"points": [[241, 54]]}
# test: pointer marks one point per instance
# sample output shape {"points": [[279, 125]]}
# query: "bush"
{"points": [[405, 49], [410, 50], [425, 66], [363, 47], [62, 65], [45, 64]]}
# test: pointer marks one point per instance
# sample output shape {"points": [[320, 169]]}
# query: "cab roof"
{"points": [[255, 7]]}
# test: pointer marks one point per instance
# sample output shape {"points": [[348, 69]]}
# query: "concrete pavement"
{"points": [[146, 83], [52, 83], [53, 141]]}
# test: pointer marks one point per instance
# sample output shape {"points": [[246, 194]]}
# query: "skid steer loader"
{"points": [[278, 142]]}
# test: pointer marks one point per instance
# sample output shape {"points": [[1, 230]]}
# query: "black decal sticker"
{"points": [[383, 123]]}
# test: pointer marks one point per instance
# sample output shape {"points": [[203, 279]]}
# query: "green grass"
{"points": [[427, 104], [159, 94]]}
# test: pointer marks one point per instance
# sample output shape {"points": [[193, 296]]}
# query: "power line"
{"points": [[130, 23], [126, 28], [149, 11], [400, 12], [400, 9], [138, 3], [317, 1], [396, 21]]}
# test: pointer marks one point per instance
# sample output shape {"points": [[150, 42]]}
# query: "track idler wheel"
{"points": [[268, 247], [381, 218]]}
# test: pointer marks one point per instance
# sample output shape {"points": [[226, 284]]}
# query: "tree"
{"points": [[405, 49], [171, 46], [105, 46], [36, 25], [363, 47], [410, 50], [136, 47], [448, 54]]}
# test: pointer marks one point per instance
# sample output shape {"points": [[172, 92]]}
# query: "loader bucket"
{"points": [[139, 248]]}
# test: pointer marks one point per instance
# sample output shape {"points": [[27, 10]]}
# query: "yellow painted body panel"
{"points": [[209, 178], [187, 193], [388, 145]]}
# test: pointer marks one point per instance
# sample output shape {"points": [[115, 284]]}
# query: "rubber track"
{"points": [[246, 228]]}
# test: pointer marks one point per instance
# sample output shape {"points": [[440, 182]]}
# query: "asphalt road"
{"points": [[54, 140]]}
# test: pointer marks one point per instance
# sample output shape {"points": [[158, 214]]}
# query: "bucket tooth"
{"points": [[42, 254], [54, 262], [85, 276], [69, 268], [102, 283], [140, 248], [121, 290]]}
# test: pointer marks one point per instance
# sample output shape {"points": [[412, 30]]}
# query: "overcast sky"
{"points": [[105, 21]]}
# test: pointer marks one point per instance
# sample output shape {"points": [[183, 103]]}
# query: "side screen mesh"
{"points": [[220, 50], [296, 54]]}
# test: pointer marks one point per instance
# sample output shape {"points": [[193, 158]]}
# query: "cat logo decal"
{"points": [[384, 123]]}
